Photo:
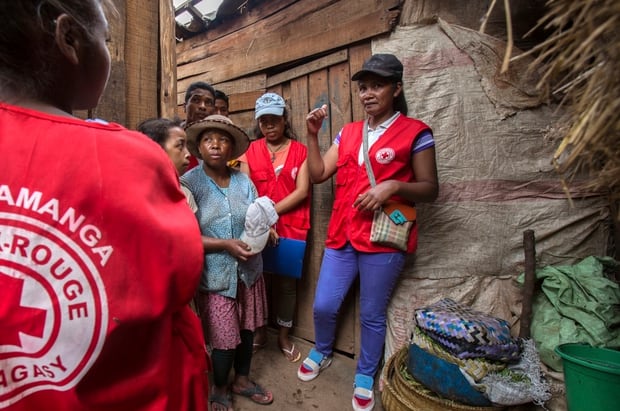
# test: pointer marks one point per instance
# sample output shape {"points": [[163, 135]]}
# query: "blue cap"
{"points": [[269, 103]]}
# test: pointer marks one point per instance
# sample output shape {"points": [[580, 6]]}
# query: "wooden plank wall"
{"points": [[306, 51], [298, 30], [303, 91], [132, 92], [168, 61], [141, 60], [275, 36]]}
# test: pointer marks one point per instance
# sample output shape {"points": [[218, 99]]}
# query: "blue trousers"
{"points": [[378, 274]]}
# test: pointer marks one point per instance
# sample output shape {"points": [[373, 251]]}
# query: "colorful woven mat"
{"points": [[468, 333], [462, 349]]}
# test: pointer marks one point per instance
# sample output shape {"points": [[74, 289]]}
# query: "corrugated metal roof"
{"points": [[195, 16]]}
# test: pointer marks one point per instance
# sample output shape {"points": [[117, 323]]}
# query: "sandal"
{"points": [[293, 355], [255, 393], [221, 400], [258, 346]]}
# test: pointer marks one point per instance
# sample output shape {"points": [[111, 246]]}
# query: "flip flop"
{"points": [[223, 400], [258, 346], [293, 355], [255, 393]]}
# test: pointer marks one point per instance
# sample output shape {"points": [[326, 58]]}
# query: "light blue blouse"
{"points": [[221, 214]]}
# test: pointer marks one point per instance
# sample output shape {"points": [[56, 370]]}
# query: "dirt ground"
{"points": [[330, 391]]}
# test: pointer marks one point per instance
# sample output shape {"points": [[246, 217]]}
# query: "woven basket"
{"points": [[402, 392], [391, 399]]}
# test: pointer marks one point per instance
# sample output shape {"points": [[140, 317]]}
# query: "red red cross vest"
{"points": [[390, 159], [295, 223], [99, 257]]}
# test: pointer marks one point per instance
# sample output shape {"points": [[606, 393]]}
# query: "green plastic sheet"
{"points": [[575, 304]]}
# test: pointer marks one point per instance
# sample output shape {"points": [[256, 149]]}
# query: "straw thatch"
{"points": [[580, 63]]}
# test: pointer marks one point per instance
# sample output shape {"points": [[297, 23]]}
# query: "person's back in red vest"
{"points": [[99, 253]]}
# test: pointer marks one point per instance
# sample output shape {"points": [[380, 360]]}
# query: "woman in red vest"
{"points": [[276, 163], [400, 152]]}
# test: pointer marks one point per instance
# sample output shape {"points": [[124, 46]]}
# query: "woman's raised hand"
{"points": [[314, 119]]}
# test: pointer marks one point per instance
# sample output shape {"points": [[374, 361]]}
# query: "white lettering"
{"points": [[43, 256], [26, 201], [104, 252], [20, 372], [89, 234], [74, 223], [51, 208], [5, 195]]}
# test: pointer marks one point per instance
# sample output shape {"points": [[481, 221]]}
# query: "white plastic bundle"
{"points": [[518, 383]]}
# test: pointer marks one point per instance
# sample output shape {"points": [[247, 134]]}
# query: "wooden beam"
{"points": [[249, 16], [141, 60], [246, 84], [357, 55], [112, 104], [297, 104], [246, 121], [304, 69], [304, 29], [256, 82], [168, 61], [529, 283], [237, 102], [243, 101]]}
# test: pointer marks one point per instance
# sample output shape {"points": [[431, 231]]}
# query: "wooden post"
{"points": [[141, 61], [168, 72], [529, 283]]}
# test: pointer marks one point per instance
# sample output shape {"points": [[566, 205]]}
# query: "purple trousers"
{"points": [[378, 273]]}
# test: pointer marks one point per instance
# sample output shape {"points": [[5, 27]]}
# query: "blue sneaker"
{"points": [[313, 365], [363, 394]]}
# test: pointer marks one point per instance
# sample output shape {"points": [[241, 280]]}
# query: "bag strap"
{"points": [[395, 213], [371, 174]]}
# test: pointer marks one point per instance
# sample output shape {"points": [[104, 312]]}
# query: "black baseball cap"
{"points": [[384, 65]]}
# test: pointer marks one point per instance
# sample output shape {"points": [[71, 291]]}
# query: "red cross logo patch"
{"points": [[385, 155], [55, 292]]}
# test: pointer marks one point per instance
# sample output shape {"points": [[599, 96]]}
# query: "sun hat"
{"points": [[384, 65], [269, 103], [216, 122], [259, 217]]}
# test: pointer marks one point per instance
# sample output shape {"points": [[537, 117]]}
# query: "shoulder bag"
{"points": [[392, 223]]}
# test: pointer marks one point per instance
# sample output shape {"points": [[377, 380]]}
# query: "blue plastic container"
{"points": [[443, 378], [287, 258]]}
